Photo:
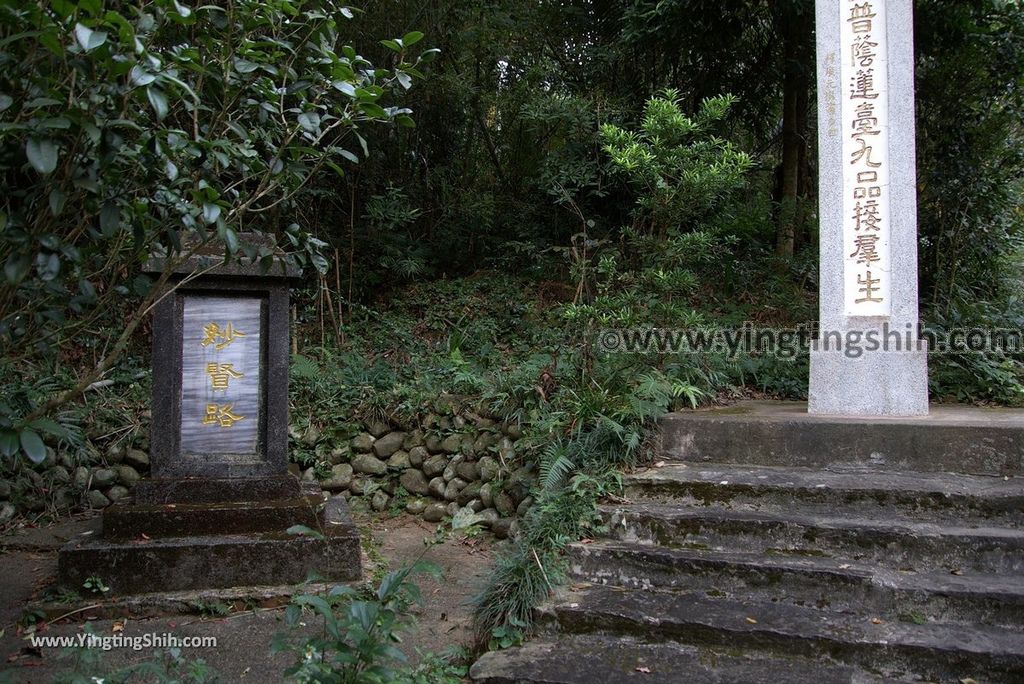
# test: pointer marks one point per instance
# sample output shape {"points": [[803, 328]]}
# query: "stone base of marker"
{"points": [[852, 381], [209, 534]]}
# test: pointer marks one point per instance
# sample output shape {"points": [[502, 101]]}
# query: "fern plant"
{"points": [[555, 465]]}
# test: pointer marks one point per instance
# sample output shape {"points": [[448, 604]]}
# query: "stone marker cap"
{"points": [[209, 260]]}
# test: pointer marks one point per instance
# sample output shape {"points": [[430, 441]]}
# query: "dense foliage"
{"points": [[971, 156], [129, 128], [162, 124]]}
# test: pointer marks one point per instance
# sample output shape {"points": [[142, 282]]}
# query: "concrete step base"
{"points": [[908, 494], [215, 489], [590, 658], [238, 599], [822, 583], [893, 543], [216, 561], [125, 521], [775, 546], [970, 440], [892, 649]]}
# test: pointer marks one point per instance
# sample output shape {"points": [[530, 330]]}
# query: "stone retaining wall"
{"points": [[464, 467]]}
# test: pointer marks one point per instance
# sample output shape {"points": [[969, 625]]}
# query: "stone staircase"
{"points": [[851, 571]]}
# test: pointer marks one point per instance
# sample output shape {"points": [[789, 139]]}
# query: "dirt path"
{"points": [[29, 559], [445, 616]]}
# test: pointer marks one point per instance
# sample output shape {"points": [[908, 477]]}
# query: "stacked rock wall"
{"points": [[461, 467]]}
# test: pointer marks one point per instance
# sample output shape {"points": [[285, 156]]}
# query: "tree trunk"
{"points": [[795, 30]]}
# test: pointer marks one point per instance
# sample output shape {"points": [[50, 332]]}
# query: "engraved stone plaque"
{"points": [[221, 375], [864, 68]]}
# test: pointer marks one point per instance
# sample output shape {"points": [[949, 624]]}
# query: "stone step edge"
{"points": [[720, 515], [582, 659], [181, 602], [950, 439], [942, 584], [731, 478], [798, 631]]}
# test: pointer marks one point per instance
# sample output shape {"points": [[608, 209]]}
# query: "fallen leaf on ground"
{"points": [[645, 670]]}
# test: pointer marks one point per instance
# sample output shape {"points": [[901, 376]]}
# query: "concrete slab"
{"points": [[939, 414], [892, 542], [934, 650], [216, 561], [822, 582], [958, 439], [946, 496], [585, 659]]}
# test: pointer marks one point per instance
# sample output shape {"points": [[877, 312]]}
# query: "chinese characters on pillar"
{"points": [[865, 126], [220, 374]]}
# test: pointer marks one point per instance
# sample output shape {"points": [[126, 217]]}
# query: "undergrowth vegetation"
{"points": [[498, 345], [360, 633]]}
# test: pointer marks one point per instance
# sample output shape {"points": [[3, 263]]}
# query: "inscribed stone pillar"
{"points": [[868, 359]]}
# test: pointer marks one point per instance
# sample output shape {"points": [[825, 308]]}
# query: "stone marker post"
{"points": [[220, 376], [868, 359], [219, 503]]}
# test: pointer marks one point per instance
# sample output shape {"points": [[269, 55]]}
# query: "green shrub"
{"points": [[991, 377], [684, 173], [128, 127], [359, 633]]}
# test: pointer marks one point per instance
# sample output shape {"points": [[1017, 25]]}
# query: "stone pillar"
{"points": [[220, 508], [868, 359], [220, 373]]}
